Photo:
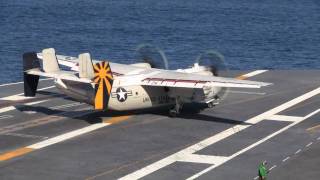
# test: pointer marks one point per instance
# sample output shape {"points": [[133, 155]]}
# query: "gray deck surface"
{"points": [[122, 148]]}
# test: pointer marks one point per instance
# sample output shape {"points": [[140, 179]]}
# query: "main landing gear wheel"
{"points": [[176, 109], [211, 105], [173, 113]]}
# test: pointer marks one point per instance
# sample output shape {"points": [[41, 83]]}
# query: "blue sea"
{"points": [[251, 34]]}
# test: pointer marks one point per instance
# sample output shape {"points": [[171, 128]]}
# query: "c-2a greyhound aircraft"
{"points": [[120, 87]]}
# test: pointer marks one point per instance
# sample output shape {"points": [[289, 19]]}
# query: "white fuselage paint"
{"points": [[124, 98]]}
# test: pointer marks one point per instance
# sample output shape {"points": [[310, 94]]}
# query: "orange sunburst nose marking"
{"points": [[103, 79]]}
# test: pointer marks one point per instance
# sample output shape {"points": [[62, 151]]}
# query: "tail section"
{"points": [[101, 75], [30, 61], [50, 62], [85, 66], [103, 79]]}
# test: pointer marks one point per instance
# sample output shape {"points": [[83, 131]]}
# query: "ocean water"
{"points": [[250, 34]]}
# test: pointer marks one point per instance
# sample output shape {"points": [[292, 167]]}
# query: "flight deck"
{"points": [[51, 136]]}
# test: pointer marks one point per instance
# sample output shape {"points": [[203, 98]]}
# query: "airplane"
{"points": [[123, 87]]}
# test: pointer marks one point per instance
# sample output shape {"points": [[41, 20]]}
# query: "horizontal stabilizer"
{"points": [[50, 67]]}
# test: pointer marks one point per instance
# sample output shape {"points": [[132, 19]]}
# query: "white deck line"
{"points": [[9, 84], [222, 135], [10, 108], [19, 97], [284, 118], [254, 73], [68, 135], [5, 116], [6, 109], [205, 159]]}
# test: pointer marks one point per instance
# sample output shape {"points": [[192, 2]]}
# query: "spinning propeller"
{"points": [[214, 62], [152, 55]]}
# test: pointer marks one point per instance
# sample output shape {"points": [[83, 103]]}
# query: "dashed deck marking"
{"points": [[66, 106], [274, 166], [5, 116], [309, 144], [25, 135], [220, 136], [299, 150], [57, 139], [285, 159]]}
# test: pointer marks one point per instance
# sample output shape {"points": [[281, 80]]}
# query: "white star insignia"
{"points": [[122, 95]]}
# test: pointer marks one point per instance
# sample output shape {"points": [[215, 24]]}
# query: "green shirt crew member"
{"points": [[263, 171]]}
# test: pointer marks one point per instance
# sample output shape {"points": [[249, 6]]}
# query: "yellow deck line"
{"points": [[116, 120], [313, 128], [253, 73], [241, 77], [15, 153]]}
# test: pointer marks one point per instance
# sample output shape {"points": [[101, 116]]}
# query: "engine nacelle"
{"points": [[205, 73], [142, 65], [211, 92], [197, 69]]}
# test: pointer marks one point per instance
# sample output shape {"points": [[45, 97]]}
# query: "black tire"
{"points": [[173, 113]]}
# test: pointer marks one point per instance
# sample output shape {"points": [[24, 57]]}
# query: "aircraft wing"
{"points": [[132, 75], [157, 77]]}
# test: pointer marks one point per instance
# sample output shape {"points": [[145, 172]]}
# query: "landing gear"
{"points": [[213, 102], [176, 109], [173, 113], [211, 105]]}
